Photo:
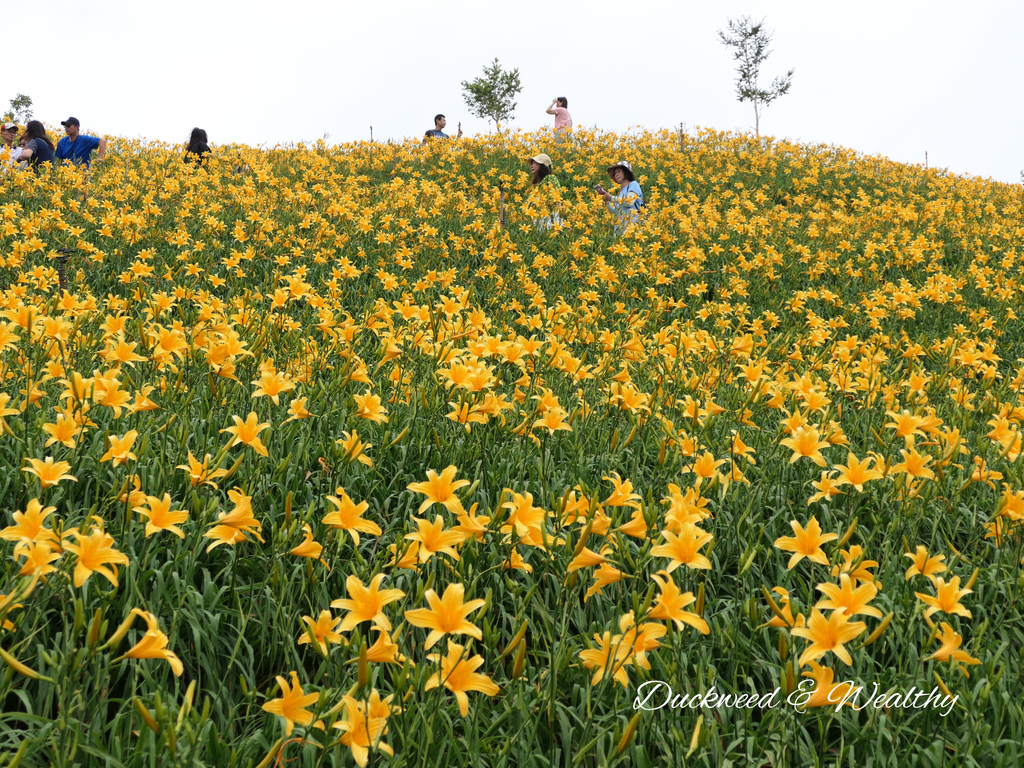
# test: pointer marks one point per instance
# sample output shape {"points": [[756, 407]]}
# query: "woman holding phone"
{"points": [[624, 206]]}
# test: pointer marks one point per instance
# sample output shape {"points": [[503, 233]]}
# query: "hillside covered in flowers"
{"points": [[341, 454]]}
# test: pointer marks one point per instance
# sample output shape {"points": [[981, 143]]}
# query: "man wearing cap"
{"points": [[9, 133], [76, 147]]}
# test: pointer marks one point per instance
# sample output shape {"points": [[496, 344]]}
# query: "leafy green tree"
{"points": [[21, 108], [493, 96], [750, 43]]}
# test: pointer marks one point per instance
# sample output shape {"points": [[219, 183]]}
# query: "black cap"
{"points": [[71, 121]]}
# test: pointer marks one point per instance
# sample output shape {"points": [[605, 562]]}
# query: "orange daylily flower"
{"points": [[366, 603], [48, 471], [458, 674], [292, 704], [828, 635], [805, 543], [247, 433], [446, 615], [440, 489]]}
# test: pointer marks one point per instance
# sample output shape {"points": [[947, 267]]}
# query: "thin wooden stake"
{"points": [[62, 261]]}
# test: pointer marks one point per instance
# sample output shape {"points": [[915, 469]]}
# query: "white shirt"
{"points": [[15, 154]]}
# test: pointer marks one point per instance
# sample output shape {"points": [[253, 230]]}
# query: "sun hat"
{"points": [[71, 121], [542, 159], [625, 166]]}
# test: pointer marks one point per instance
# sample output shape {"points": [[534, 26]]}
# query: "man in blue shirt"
{"points": [[77, 148]]}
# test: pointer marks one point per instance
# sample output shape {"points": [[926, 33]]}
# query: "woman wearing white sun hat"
{"points": [[625, 206]]}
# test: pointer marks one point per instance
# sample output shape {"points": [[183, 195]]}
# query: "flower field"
{"points": [[315, 462]]}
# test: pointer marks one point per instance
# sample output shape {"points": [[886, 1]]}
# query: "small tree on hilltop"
{"points": [[493, 96], [750, 41], [21, 108]]}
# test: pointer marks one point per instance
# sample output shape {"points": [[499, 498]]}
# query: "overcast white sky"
{"points": [[896, 78]]}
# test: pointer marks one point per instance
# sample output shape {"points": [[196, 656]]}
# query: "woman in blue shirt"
{"points": [[625, 206]]}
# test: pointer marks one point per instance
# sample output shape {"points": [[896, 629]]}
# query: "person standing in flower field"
{"points": [[438, 131], [36, 146], [77, 147], [541, 175], [626, 205], [197, 148], [563, 120], [540, 169], [9, 134]]}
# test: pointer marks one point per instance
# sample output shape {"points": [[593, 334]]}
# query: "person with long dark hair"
{"points": [[540, 169], [38, 147], [197, 147], [541, 175]]}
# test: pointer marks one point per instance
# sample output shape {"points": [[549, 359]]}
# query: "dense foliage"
{"points": [[314, 459]]}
